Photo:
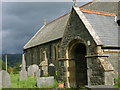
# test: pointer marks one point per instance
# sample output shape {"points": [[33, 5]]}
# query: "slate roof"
{"points": [[52, 31], [109, 6], [105, 27]]}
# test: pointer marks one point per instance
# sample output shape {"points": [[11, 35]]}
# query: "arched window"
{"points": [[41, 54], [58, 51], [45, 55], [55, 53]]}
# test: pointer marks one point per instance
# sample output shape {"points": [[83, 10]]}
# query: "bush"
{"points": [[117, 82]]}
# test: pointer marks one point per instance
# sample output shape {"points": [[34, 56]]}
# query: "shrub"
{"points": [[117, 82]]}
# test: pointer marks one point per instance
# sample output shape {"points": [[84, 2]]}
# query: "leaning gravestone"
{"points": [[5, 81], [33, 70], [45, 81], [23, 72]]}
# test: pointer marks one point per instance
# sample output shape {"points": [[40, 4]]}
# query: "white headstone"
{"points": [[33, 70], [5, 81]]}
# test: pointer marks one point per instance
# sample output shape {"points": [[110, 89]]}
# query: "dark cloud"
{"points": [[20, 21]]}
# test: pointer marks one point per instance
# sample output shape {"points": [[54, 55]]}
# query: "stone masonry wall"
{"points": [[33, 55], [113, 59], [76, 30]]}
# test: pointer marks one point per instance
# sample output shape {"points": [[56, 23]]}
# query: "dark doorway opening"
{"points": [[79, 53]]}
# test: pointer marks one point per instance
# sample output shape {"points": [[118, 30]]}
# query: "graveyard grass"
{"points": [[117, 82], [16, 83], [29, 83]]}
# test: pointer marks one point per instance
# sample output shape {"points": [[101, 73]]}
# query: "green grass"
{"points": [[29, 83], [16, 83], [117, 82]]}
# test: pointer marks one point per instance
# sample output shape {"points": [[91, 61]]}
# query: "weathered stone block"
{"points": [[45, 81]]}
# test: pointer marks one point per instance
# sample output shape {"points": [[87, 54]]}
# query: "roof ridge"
{"points": [[68, 13], [97, 12], [87, 4], [57, 19]]}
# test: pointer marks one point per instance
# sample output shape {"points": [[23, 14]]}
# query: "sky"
{"points": [[21, 20]]}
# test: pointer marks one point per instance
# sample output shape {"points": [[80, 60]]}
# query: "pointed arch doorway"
{"points": [[77, 65]]}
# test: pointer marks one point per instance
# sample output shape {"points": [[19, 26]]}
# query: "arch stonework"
{"points": [[74, 65], [96, 71], [76, 30]]}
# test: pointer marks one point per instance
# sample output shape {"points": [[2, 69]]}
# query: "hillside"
{"points": [[13, 59]]}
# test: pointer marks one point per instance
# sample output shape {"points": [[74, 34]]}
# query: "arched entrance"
{"points": [[77, 65]]}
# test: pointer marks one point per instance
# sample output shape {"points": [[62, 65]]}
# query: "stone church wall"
{"points": [[76, 30], [35, 55], [57, 49], [113, 59]]}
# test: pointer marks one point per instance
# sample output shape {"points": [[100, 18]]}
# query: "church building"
{"points": [[83, 45]]}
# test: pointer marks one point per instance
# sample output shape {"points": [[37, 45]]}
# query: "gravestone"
{"points": [[5, 81], [23, 72], [38, 73], [33, 70], [45, 81], [23, 75], [51, 69]]}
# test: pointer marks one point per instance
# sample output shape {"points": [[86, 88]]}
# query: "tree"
{"points": [[2, 65]]}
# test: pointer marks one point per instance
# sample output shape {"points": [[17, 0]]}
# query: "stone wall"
{"points": [[113, 59], [34, 55], [76, 30], [95, 72]]}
